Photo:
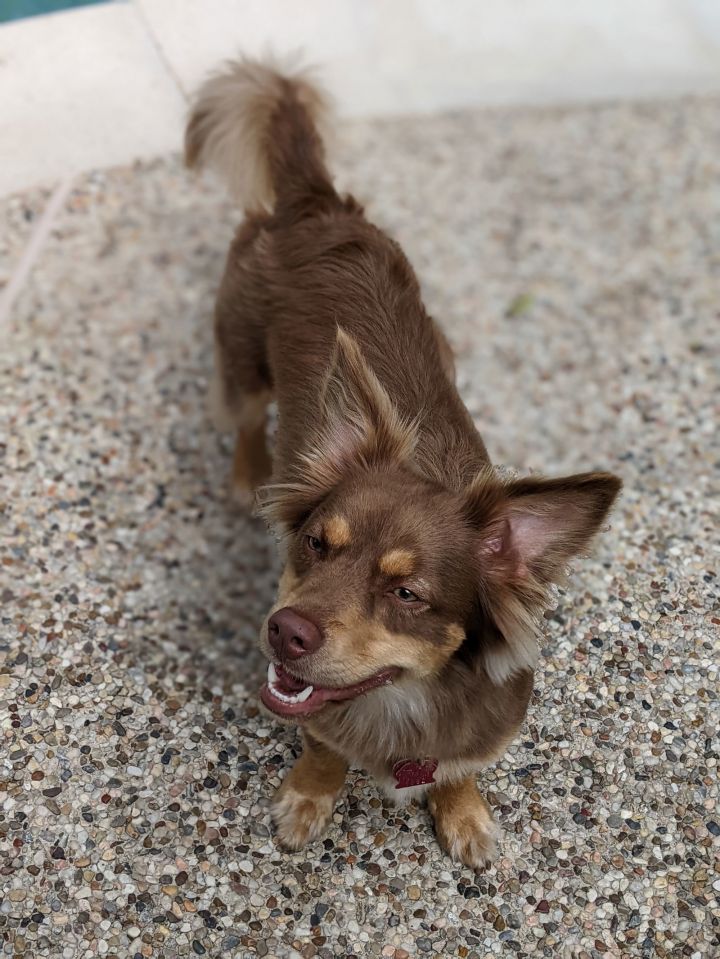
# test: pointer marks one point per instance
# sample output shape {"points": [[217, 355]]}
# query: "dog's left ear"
{"points": [[358, 428], [528, 530], [360, 425]]}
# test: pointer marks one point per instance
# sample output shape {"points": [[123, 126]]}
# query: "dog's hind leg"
{"points": [[241, 388], [241, 407], [252, 464]]}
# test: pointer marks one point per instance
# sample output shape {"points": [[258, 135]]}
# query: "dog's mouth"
{"points": [[288, 696]]}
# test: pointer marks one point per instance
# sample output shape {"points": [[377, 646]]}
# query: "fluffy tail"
{"points": [[258, 128]]}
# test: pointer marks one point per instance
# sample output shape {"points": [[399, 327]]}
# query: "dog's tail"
{"points": [[258, 127]]}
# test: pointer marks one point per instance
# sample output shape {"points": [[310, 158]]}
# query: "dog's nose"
{"points": [[292, 635]]}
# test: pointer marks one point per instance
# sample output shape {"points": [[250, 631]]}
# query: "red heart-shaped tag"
{"points": [[413, 772]]}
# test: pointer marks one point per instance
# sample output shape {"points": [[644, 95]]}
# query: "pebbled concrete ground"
{"points": [[573, 256]]}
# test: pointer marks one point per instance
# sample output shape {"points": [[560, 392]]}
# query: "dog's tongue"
{"points": [[288, 683], [288, 696]]}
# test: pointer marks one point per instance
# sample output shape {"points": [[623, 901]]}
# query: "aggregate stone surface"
{"points": [[573, 256], [18, 216]]}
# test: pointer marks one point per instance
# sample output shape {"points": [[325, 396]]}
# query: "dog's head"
{"points": [[390, 574]]}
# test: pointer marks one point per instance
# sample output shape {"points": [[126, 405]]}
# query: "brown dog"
{"points": [[405, 632]]}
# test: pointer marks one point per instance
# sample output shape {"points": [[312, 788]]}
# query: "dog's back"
{"points": [[306, 261]]}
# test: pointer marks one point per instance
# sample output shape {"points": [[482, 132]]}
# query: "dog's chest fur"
{"points": [[413, 722]]}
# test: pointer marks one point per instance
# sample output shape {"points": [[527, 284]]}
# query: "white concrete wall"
{"points": [[387, 55], [102, 85]]}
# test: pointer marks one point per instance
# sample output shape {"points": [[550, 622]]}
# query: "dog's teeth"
{"points": [[272, 674], [291, 698]]}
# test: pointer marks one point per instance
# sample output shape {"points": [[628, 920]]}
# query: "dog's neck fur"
{"points": [[459, 716]]}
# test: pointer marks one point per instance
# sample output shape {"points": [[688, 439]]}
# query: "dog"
{"points": [[405, 632]]}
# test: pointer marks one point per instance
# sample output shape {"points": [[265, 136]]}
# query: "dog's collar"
{"points": [[414, 772]]}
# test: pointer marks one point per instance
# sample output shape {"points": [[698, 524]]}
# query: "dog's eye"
{"points": [[315, 544], [406, 595]]}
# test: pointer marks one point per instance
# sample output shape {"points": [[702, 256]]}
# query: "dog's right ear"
{"points": [[359, 428]]}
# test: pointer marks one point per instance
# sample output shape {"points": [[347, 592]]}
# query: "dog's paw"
{"points": [[470, 842], [299, 818], [468, 834]]}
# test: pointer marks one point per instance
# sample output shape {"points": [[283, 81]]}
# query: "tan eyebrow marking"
{"points": [[337, 531], [398, 562], [455, 635]]}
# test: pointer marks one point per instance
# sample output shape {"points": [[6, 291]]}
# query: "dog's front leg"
{"points": [[463, 822], [304, 804]]}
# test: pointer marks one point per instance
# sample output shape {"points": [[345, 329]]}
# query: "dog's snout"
{"points": [[292, 635]]}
